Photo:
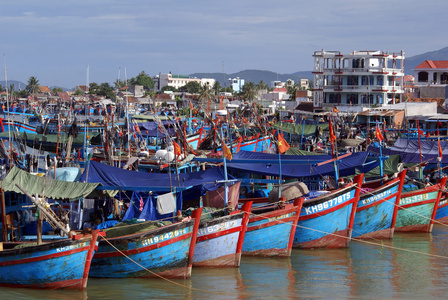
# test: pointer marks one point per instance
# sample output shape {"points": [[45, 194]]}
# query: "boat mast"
{"points": [[7, 109]]}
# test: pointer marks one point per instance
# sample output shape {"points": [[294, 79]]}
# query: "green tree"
{"points": [[23, 93], [192, 87], [57, 89], [12, 89], [262, 85], [167, 88], [118, 84], [144, 80], [292, 89], [205, 94], [106, 90], [93, 88], [33, 85], [248, 91], [216, 88], [1, 89], [79, 92]]}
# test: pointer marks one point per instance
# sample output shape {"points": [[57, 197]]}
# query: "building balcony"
{"points": [[359, 71], [359, 88]]}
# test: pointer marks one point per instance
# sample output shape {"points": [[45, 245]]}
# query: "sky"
{"points": [[66, 43]]}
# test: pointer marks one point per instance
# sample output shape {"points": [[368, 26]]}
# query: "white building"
{"points": [[431, 72], [236, 84], [358, 79], [178, 81]]}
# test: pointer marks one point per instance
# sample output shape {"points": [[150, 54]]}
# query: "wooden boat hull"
{"points": [[162, 252], [418, 209], [327, 221], [442, 211], [219, 241], [271, 233], [7, 125], [61, 264], [376, 212]]}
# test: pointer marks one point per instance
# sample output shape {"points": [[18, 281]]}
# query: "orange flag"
{"points": [[283, 145], [221, 105], [208, 106], [244, 120], [332, 136], [191, 105], [226, 152], [378, 133], [335, 110], [440, 151], [177, 150]]}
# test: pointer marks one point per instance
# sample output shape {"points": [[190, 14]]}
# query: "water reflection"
{"points": [[321, 273], [268, 276]]}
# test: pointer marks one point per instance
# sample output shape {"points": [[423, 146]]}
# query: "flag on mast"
{"points": [[226, 151]]}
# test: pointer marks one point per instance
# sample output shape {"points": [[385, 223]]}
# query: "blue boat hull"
{"points": [[162, 252], [442, 211], [326, 221], [271, 233], [61, 264], [218, 240], [375, 214]]}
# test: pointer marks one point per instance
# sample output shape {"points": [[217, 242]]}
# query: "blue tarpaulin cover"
{"points": [[308, 168], [115, 177], [196, 184], [149, 209], [410, 153], [152, 129]]}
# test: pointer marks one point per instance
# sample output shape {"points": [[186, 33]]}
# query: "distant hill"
{"points": [[255, 76], [411, 62], [17, 84]]}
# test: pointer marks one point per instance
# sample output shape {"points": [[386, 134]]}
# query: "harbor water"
{"points": [[410, 266]]}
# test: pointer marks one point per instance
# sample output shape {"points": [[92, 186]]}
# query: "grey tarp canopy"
{"points": [[50, 188]]}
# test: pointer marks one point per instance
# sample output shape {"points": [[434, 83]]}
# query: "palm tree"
{"points": [[262, 86], [216, 87], [248, 91], [205, 94], [33, 85], [292, 89]]}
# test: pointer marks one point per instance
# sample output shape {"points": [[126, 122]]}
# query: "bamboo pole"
{"points": [[43, 210]]}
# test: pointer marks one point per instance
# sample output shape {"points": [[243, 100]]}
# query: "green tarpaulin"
{"points": [[390, 167], [33, 138], [50, 188], [294, 151], [297, 128]]}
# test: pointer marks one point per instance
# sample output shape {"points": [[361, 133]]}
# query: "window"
{"points": [[444, 78], [333, 98], [352, 99], [422, 77], [352, 80], [379, 80]]}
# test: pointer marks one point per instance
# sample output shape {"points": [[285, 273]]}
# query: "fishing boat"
{"points": [[377, 208], [133, 251], [442, 209], [190, 187], [55, 265], [418, 208], [270, 231], [220, 240], [327, 221]]}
